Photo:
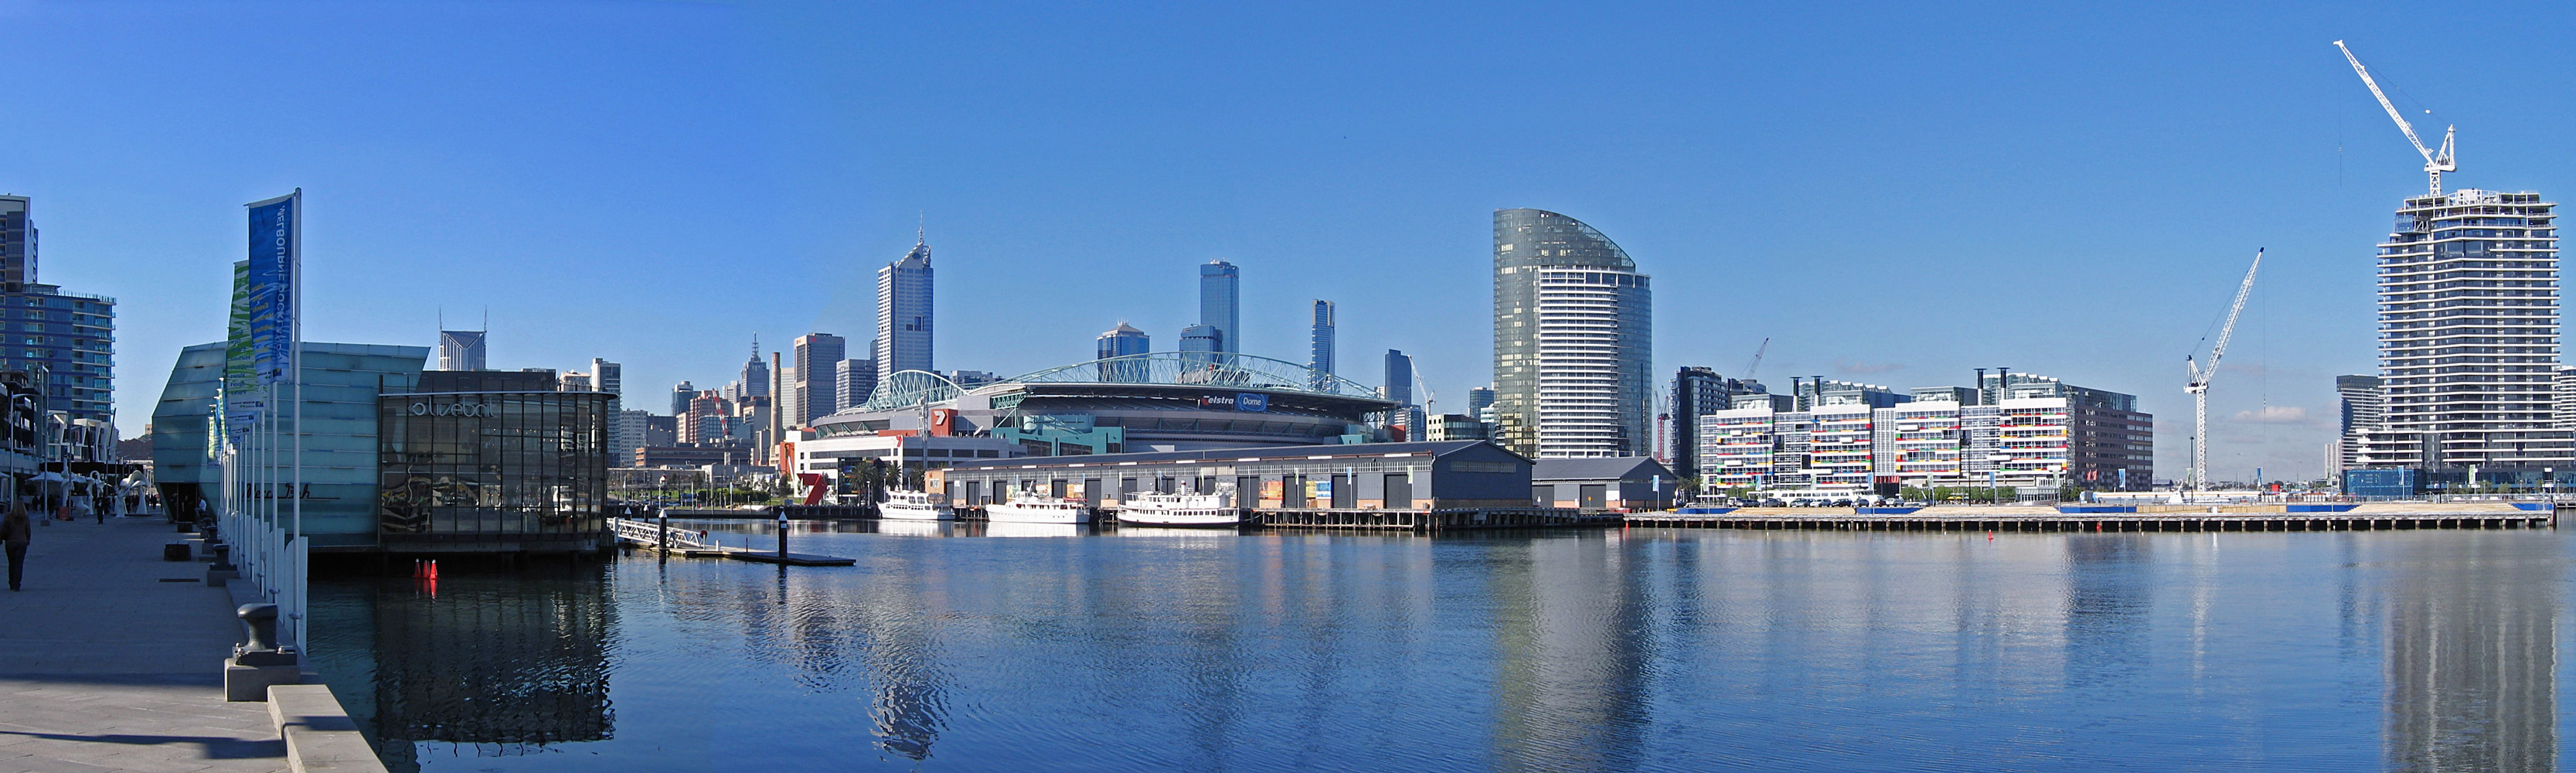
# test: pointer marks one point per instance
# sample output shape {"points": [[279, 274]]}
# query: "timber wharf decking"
{"points": [[2376, 516]]}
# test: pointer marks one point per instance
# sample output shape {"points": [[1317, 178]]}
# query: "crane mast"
{"points": [[2435, 163], [2198, 386]]}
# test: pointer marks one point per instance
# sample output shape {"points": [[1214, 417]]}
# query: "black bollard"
{"points": [[782, 538], [663, 540], [259, 627]]}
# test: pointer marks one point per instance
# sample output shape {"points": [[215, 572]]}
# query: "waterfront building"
{"points": [[461, 349], [2563, 399], [1396, 476], [2034, 431], [1621, 483], [2360, 405], [1572, 340], [853, 381], [1696, 392], [818, 357], [2468, 342], [341, 383], [1454, 426], [1201, 343], [1221, 303], [1176, 401], [1121, 341], [904, 316], [1319, 342], [446, 487]]}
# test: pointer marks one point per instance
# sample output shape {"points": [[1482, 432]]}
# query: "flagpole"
{"points": [[295, 370]]}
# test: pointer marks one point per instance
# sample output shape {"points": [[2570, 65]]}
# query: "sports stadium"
{"points": [[1164, 401]]}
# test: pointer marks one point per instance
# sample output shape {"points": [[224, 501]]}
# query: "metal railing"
{"points": [[651, 534]]}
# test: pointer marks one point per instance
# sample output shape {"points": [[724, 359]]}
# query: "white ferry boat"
{"points": [[1030, 508], [1182, 509], [914, 506]]}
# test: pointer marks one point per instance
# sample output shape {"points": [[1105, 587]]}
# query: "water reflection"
{"points": [[2472, 655], [1559, 651]]}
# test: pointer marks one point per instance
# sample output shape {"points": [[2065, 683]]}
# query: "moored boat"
{"points": [[1030, 508], [914, 506], [1214, 509]]}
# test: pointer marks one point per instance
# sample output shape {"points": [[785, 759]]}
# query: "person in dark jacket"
{"points": [[14, 534]]}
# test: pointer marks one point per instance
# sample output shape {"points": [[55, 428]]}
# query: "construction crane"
{"points": [[2198, 386], [2435, 162], [1757, 359]]}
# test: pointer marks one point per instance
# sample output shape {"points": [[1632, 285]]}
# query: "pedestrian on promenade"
{"points": [[15, 535]]}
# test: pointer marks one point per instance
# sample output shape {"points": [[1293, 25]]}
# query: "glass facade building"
{"points": [[1572, 340], [817, 377], [460, 349], [492, 465], [904, 313], [1121, 341], [1319, 355], [1221, 303], [2468, 334]]}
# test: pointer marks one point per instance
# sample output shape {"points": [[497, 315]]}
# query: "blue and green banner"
{"points": [[238, 395], [276, 257]]}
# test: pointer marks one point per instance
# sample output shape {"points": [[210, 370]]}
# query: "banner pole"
{"points": [[295, 371]]}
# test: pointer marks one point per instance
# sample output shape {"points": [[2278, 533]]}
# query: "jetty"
{"points": [[2372, 516], [652, 535]]}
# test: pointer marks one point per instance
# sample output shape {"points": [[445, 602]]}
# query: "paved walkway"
{"points": [[105, 668]]}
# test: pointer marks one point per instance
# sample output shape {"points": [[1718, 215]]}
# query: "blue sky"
{"points": [[1892, 193]]}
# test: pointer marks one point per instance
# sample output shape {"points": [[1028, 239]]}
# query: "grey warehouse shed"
{"points": [[1392, 476], [1630, 483]]}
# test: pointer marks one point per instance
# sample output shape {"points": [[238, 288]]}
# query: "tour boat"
{"points": [[1031, 508], [1182, 509], [1005, 529], [914, 506]]}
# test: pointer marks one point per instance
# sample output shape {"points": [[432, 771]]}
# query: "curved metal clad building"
{"points": [[1573, 340]]}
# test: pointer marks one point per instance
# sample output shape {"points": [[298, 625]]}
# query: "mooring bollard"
{"points": [[259, 627], [782, 537]]}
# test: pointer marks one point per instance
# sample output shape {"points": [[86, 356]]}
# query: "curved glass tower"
{"points": [[1573, 336]]}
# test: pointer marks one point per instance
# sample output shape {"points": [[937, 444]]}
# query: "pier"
{"points": [[649, 535], [1460, 519], [2377, 516]]}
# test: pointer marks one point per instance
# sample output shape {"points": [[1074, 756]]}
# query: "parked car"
{"points": [[1773, 503], [1842, 503]]}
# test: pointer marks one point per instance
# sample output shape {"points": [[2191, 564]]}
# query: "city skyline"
{"points": [[2129, 133]]}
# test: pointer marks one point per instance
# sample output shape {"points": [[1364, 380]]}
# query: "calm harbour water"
{"points": [[947, 649]]}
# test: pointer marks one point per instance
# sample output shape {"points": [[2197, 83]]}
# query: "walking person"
{"points": [[14, 534]]}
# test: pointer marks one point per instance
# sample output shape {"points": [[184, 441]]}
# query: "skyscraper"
{"points": [[755, 374], [903, 312], [1572, 339], [460, 349], [1221, 303], [610, 377], [1319, 347], [1399, 389], [853, 381], [1200, 344], [70, 337], [17, 242], [818, 357], [681, 394], [2468, 334], [2362, 403], [1479, 399], [1122, 341]]}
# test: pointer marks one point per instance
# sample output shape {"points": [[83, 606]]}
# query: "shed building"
{"points": [[1625, 483], [1391, 476]]}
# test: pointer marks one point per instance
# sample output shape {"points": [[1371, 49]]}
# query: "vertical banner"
{"points": [[275, 260], [238, 394]]}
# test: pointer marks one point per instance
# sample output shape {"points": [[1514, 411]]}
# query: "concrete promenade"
{"points": [[105, 668]]}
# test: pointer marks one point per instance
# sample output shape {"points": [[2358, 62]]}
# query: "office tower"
{"points": [[817, 364], [1479, 399], [755, 374], [1319, 351], [853, 381], [680, 397], [2468, 341], [460, 349], [1200, 344], [1697, 392], [69, 337], [1572, 340], [17, 241], [610, 377], [903, 313], [1399, 390], [1221, 303], [1122, 341]]}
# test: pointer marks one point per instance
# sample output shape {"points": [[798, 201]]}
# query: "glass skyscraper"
{"points": [[1572, 340], [1122, 341], [818, 367], [1200, 344], [903, 312], [1221, 303], [1319, 353]]}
